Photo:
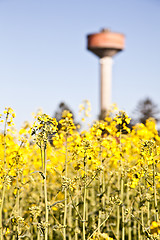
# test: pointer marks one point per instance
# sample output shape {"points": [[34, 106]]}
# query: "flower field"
{"points": [[57, 182]]}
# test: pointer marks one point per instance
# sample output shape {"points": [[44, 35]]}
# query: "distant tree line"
{"points": [[145, 109]]}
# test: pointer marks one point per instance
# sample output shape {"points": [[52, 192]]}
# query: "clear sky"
{"points": [[44, 60]]}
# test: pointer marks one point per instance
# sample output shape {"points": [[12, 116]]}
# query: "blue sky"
{"points": [[44, 60]]}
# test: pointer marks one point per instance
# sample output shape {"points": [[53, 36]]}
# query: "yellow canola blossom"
{"points": [[101, 236], [155, 228], [110, 164]]}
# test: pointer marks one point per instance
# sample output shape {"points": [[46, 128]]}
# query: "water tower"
{"points": [[105, 45]]}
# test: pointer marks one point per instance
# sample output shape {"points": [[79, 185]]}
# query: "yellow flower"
{"points": [[155, 228]]}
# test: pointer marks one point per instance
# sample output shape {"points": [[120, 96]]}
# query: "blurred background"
{"points": [[44, 58]]}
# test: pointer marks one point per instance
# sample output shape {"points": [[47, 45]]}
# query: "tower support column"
{"points": [[105, 83]]}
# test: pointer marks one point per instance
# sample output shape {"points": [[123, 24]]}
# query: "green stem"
{"points": [[142, 221], [18, 203], [4, 187], [118, 210], [93, 204], [42, 182], [139, 231], [65, 197], [101, 191], [134, 229], [155, 195], [84, 201], [76, 221], [148, 213], [122, 193], [45, 195], [38, 234], [103, 188], [108, 199], [128, 206], [1, 209], [87, 206], [70, 221]]}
